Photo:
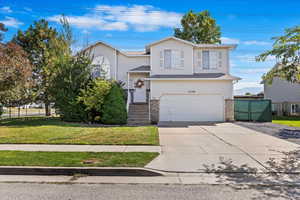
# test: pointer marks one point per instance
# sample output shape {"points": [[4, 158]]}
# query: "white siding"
{"points": [[218, 58], [281, 91], [107, 52], [184, 66], [126, 63], [160, 88]]}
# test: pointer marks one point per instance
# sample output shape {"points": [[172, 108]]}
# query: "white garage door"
{"points": [[191, 108]]}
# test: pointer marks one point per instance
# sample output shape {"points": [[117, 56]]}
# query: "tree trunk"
{"points": [[47, 109], [19, 111]]}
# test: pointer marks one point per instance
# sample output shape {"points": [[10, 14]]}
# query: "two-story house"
{"points": [[172, 80]]}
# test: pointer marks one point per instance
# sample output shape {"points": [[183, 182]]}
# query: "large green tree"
{"points": [[72, 76], [286, 49], [199, 28], [41, 42]]}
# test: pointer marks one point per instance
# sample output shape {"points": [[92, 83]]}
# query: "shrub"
{"points": [[114, 108], [93, 98]]}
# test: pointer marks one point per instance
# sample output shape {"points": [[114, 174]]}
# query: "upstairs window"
{"points": [[205, 58], [172, 59], [211, 59], [167, 59], [101, 67]]}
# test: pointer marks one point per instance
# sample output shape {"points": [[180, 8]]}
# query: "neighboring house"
{"points": [[172, 80], [285, 96]]}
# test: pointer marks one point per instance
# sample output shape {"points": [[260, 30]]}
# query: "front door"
{"points": [[140, 92]]}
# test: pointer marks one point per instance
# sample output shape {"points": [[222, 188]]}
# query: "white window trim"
{"points": [[181, 59], [203, 59], [218, 62]]}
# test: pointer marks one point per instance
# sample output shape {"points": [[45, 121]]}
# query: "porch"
{"points": [[138, 95]]}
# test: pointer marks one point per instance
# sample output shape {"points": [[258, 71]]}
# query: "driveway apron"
{"points": [[218, 147]]}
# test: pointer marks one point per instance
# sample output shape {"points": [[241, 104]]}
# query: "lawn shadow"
{"points": [[50, 121], [277, 180]]}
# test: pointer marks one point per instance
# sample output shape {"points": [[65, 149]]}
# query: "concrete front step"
{"points": [[139, 109], [138, 114], [138, 123], [138, 119]]}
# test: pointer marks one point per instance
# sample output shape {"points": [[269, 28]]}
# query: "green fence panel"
{"points": [[253, 110]]}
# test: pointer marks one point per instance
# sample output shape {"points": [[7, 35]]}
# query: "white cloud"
{"points": [[138, 17], [86, 31], [6, 9], [247, 84], [255, 42], [251, 58], [90, 22], [27, 9], [227, 40], [253, 70], [11, 22]]}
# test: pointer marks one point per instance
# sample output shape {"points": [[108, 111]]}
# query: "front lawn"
{"points": [[289, 121], [75, 159], [54, 131]]}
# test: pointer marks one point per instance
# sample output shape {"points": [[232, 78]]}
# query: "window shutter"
{"points": [[168, 59], [220, 59], [199, 63], [213, 59], [182, 59], [206, 59], [161, 59]]}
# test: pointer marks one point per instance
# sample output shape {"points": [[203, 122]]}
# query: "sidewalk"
{"points": [[168, 178], [79, 148]]}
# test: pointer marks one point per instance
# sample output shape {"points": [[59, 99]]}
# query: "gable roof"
{"points": [[230, 46], [126, 53], [141, 68], [195, 76]]}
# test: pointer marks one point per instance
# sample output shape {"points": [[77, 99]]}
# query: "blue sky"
{"points": [[133, 24]]}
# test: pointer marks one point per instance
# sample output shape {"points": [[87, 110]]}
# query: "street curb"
{"points": [[91, 171]]}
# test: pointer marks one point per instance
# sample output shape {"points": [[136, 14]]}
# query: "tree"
{"points": [[42, 44], [2, 29], [15, 75], [114, 107], [199, 28], [72, 76], [93, 97], [286, 50]]}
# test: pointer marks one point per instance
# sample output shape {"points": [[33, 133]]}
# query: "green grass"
{"points": [[289, 121], [75, 159], [54, 131]]}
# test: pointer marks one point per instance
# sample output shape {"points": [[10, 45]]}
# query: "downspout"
{"points": [[128, 92], [193, 64], [150, 93], [116, 64]]}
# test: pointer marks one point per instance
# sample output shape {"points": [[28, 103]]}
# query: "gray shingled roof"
{"points": [[141, 68], [202, 75]]}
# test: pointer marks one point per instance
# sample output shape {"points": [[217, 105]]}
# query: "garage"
{"points": [[191, 107]]}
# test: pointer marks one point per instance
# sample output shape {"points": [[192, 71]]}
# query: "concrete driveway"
{"points": [[221, 147]]}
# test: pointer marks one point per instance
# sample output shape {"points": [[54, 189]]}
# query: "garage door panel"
{"points": [[191, 108]]}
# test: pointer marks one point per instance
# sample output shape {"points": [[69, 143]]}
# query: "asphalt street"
{"points": [[39, 191]]}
